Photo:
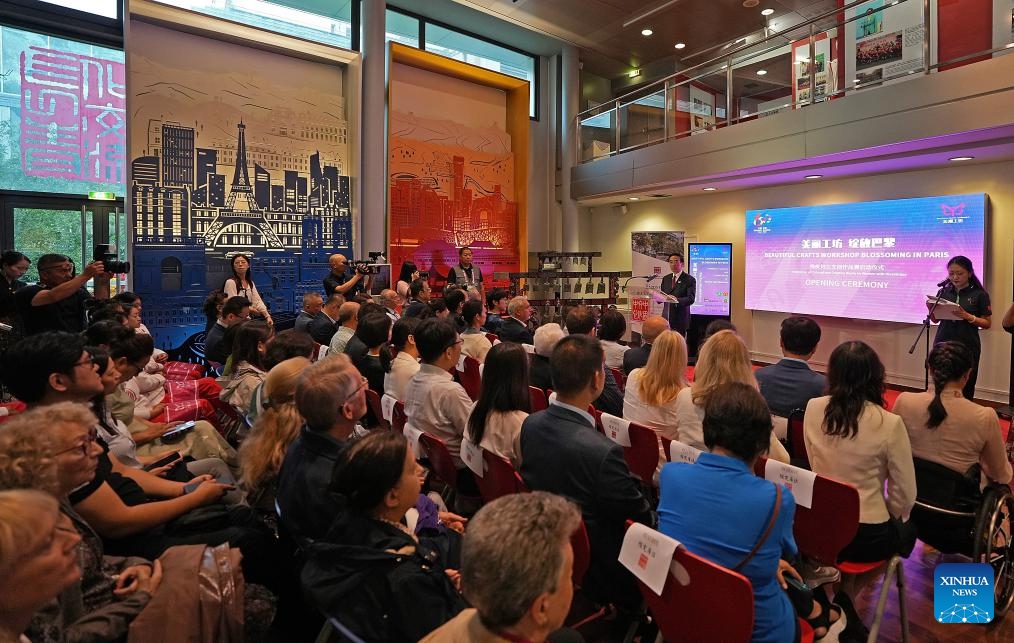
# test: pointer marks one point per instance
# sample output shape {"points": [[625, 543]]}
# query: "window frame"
{"points": [[53, 20]]}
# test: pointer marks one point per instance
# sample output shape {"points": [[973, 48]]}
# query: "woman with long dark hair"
{"points": [[966, 290], [851, 437], [247, 361], [408, 274], [504, 402], [240, 283]]}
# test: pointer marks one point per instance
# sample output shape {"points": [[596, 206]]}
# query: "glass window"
{"points": [[62, 115], [469, 49], [331, 26], [42, 231], [105, 8], [402, 28]]}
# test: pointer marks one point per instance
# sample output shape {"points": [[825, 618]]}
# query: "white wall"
{"points": [[719, 217]]}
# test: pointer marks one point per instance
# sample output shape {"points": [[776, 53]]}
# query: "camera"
{"points": [[365, 267], [106, 253]]}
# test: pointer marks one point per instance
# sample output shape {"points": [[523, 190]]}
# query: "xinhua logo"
{"points": [[963, 593]]}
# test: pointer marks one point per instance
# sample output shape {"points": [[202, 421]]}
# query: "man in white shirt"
{"points": [[406, 363], [348, 320]]}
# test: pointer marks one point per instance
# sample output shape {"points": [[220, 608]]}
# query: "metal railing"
{"points": [[856, 47]]}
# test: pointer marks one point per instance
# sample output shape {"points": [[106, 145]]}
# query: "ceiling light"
{"points": [[961, 158], [633, 73], [761, 72], [681, 45], [749, 4], [646, 32], [633, 198], [710, 189], [767, 12], [813, 176]]}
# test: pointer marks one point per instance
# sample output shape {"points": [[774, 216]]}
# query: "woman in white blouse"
{"points": [[851, 437], [723, 358], [650, 395], [504, 402], [240, 284]]}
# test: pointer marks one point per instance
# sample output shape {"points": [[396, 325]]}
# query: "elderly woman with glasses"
{"points": [[53, 449]]}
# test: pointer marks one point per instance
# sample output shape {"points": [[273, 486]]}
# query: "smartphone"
{"points": [[191, 486], [798, 584], [161, 462], [179, 430]]}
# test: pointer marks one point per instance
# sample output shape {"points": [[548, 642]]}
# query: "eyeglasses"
{"points": [[88, 359], [454, 343], [84, 445], [362, 384]]}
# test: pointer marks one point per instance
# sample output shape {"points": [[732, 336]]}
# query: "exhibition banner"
{"points": [[649, 263], [884, 42]]}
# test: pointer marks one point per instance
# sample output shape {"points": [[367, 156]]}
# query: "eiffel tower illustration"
{"points": [[241, 201]]}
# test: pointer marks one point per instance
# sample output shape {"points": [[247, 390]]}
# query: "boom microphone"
{"points": [[943, 283]]}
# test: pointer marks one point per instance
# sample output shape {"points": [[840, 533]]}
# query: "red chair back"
{"points": [[582, 554], [440, 459], [620, 378], [794, 435], [642, 454], [704, 603], [492, 337], [373, 401], [398, 417], [471, 379], [666, 447], [538, 397], [499, 478]]}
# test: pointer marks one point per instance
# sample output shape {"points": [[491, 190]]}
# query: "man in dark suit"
{"points": [[581, 321], [561, 452], [790, 384], [312, 303], [515, 325], [684, 288], [325, 325], [651, 328]]}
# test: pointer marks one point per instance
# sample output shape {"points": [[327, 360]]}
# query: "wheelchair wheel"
{"points": [[992, 543]]}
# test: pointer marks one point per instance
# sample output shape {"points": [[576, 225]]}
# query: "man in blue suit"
{"points": [[561, 452], [790, 384], [683, 287]]}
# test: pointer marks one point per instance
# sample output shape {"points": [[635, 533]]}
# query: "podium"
{"points": [[666, 300]]}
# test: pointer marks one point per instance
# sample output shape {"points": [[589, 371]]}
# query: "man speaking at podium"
{"points": [[684, 288]]}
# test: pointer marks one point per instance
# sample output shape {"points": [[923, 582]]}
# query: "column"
{"points": [[373, 144], [569, 98]]}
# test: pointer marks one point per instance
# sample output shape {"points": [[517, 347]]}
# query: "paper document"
{"points": [[945, 309]]}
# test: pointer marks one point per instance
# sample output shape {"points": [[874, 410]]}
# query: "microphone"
{"points": [[943, 283], [651, 278]]}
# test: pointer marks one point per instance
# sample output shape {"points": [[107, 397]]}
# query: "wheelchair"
{"points": [[952, 514]]}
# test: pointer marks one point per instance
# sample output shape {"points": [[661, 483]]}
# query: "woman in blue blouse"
{"points": [[717, 508]]}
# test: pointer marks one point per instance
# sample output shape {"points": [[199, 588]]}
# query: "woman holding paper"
{"points": [[965, 289]]}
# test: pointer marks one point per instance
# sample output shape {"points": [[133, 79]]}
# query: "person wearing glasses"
{"points": [[57, 302]]}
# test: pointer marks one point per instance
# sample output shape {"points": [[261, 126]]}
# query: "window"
{"points": [[80, 145], [401, 28], [105, 8], [331, 26], [172, 274], [446, 42]]}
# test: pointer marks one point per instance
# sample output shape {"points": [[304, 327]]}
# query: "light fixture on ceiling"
{"points": [[710, 189], [633, 198], [633, 73], [961, 158], [761, 72], [767, 12], [681, 45], [750, 4], [646, 31], [811, 177]]}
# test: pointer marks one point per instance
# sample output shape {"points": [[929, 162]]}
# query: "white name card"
{"points": [[617, 429], [461, 363], [679, 452], [552, 397], [648, 555], [412, 435], [387, 403], [471, 455], [798, 481]]}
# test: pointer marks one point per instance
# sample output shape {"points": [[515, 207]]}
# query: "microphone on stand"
{"points": [[943, 283], [652, 278]]}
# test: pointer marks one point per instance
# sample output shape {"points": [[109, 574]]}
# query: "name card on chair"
{"points": [[387, 403], [471, 455], [616, 429], [412, 435], [648, 554], [461, 363], [679, 452], [798, 481]]}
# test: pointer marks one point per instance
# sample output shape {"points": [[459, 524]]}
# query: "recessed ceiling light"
{"points": [[681, 45], [761, 72], [767, 12], [633, 198], [749, 4], [961, 158], [646, 32], [710, 189], [813, 176]]}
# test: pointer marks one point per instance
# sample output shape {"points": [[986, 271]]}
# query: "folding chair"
{"points": [[794, 438], [443, 465], [642, 454], [398, 417], [499, 478], [471, 378], [620, 377], [373, 401], [538, 397]]}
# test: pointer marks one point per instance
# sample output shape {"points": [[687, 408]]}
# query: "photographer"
{"points": [[340, 280], [57, 302]]}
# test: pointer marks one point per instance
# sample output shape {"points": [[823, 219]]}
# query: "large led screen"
{"points": [[873, 260]]}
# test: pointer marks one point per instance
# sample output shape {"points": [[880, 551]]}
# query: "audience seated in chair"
{"points": [[248, 370], [406, 363], [612, 326], [723, 358], [563, 453], [581, 321], [312, 304], [850, 437], [323, 327], [651, 328], [514, 327], [234, 311], [650, 395], [284, 346], [348, 321], [790, 384], [504, 403], [546, 337], [473, 339], [369, 571], [718, 509]]}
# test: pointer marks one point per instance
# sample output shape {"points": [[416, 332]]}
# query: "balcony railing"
{"points": [[860, 46]]}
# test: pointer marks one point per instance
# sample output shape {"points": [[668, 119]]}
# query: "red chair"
{"points": [[373, 401], [620, 377], [538, 397], [442, 464], [492, 337], [499, 478], [794, 436], [398, 417], [642, 454], [470, 378], [582, 554]]}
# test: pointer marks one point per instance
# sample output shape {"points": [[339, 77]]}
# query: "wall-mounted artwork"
{"points": [[451, 186], [233, 150]]}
